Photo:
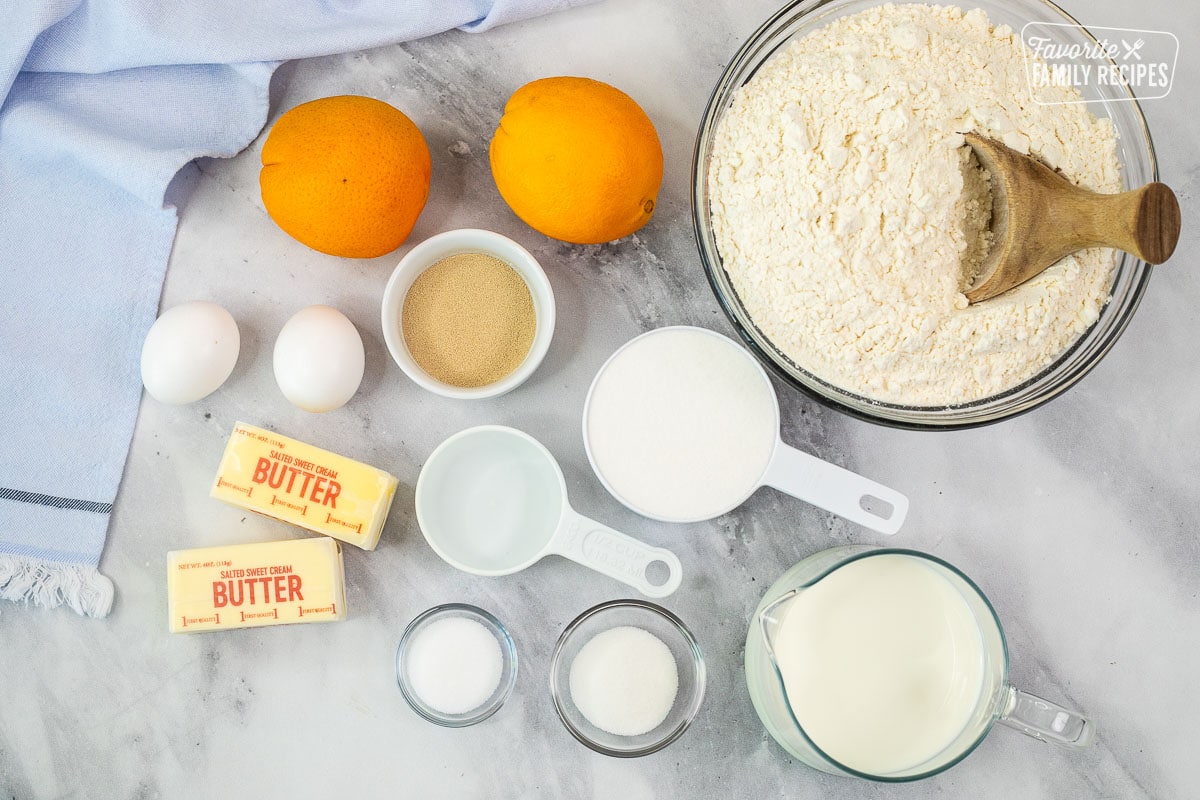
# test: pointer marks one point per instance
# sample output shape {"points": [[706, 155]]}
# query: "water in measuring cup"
{"points": [[494, 500], [882, 662]]}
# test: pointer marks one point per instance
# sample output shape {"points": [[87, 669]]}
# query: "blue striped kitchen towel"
{"points": [[103, 101]]}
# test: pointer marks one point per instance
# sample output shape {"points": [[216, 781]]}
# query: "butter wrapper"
{"points": [[304, 485], [250, 585]]}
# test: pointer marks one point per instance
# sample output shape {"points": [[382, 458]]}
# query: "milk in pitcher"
{"points": [[882, 662]]}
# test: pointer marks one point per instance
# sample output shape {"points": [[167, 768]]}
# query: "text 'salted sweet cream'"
{"points": [[249, 585], [304, 485]]}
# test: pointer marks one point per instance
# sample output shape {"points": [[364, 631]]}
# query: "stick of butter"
{"points": [[304, 485], [247, 585]]}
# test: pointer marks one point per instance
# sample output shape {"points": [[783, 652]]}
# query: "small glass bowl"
{"points": [[508, 674], [673, 633], [1135, 151]]}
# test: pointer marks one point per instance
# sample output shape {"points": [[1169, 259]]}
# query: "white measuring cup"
{"points": [[681, 424], [491, 500]]}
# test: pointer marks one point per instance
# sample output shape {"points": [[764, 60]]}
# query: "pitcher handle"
{"points": [[1047, 721]]}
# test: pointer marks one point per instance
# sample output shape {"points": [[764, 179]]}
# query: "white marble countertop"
{"points": [[1076, 519]]}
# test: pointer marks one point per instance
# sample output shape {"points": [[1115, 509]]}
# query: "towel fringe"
{"points": [[50, 584]]}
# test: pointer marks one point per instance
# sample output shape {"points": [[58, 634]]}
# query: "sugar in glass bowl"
{"points": [[410, 683], [671, 631], [1135, 151]]}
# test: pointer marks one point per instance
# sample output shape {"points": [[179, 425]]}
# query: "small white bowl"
{"points": [[444, 245]]}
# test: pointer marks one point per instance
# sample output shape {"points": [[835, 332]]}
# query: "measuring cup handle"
{"points": [[616, 555], [832, 488], [1050, 722]]}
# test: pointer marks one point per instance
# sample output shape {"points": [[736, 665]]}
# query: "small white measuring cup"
{"points": [[681, 424], [491, 500]]}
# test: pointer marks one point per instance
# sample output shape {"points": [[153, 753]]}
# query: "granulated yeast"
{"points": [[848, 211], [468, 320]]}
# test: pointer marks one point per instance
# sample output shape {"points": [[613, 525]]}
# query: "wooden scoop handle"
{"points": [[1144, 222]]}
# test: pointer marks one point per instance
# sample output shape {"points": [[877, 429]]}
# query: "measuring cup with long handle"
{"points": [[491, 500], [658, 417]]}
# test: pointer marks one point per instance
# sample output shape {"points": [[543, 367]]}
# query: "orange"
{"points": [[577, 160], [346, 175]]}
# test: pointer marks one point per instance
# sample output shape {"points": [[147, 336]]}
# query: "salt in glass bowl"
{"points": [[456, 242], [508, 673], [662, 624], [1135, 152]]}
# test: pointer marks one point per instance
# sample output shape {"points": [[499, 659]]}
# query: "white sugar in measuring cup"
{"points": [[681, 424], [491, 500]]}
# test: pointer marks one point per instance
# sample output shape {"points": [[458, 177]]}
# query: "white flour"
{"points": [[838, 205]]}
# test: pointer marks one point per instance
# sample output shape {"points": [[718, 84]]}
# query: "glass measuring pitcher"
{"points": [[937, 693]]}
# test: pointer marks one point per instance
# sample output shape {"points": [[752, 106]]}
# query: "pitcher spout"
{"points": [[771, 618]]}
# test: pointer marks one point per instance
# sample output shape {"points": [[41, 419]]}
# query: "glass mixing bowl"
{"points": [[1134, 150]]}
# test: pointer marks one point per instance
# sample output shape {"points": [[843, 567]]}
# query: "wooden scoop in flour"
{"points": [[1038, 217]]}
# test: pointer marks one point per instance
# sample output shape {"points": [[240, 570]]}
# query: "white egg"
{"points": [[319, 359], [189, 352]]}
